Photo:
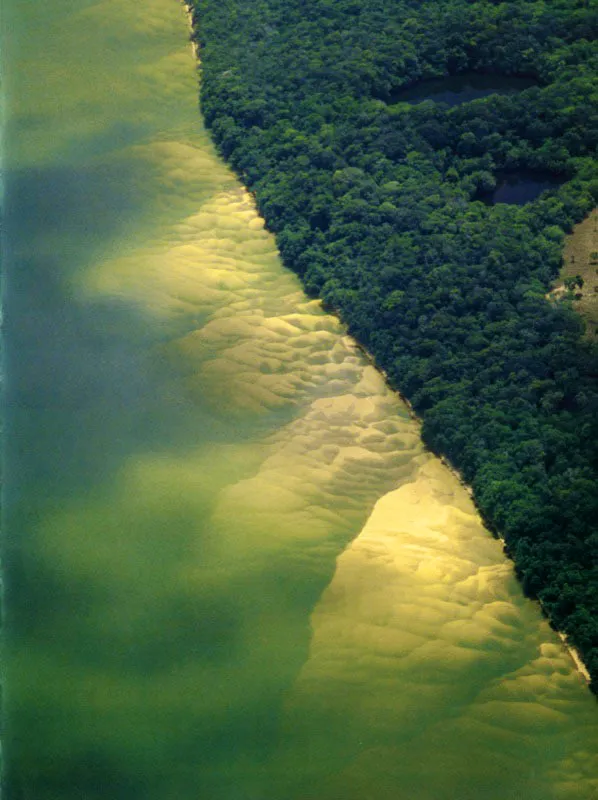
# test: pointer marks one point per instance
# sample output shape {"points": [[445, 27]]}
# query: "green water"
{"points": [[232, 571]]}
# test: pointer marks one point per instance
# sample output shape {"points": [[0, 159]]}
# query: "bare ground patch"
{"points": [[580, 260]]}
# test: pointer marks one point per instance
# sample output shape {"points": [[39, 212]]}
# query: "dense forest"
{"points": [[377, 205]]}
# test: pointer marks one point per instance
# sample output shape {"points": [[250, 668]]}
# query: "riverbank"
{"points": [[342, 309], [569, 648], [445, 292]]}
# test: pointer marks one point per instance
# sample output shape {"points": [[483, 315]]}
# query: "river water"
{"points": [[232, 571]]}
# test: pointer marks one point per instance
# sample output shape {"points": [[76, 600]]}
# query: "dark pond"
{"points": [[521, 187], [457, 89]]}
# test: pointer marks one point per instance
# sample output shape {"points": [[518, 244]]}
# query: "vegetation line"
{"points": [[573, 652], [388, 212]]}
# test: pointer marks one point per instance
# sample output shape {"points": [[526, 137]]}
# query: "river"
{"points": [[232, 570]]}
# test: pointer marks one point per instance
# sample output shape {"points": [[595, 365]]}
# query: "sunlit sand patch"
{"points": [[423, 603], [291, 504], [261, 344]]}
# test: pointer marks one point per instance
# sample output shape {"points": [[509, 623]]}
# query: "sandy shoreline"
{"points": [[189, 15], [571, 650], [581, 667]]}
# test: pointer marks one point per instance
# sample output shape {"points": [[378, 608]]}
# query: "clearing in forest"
{"points": [[579, 272]]}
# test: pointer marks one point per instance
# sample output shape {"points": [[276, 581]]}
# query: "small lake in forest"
{"points": [[456, 89], [523, 186]]}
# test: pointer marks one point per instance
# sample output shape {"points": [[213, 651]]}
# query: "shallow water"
{"points": [[199, 602]]}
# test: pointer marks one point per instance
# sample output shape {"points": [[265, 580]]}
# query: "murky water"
{"points": [[456, 89], [520, 187], [201, 603]]}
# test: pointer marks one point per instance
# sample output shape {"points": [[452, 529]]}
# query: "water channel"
{"points": [[232, 571]]}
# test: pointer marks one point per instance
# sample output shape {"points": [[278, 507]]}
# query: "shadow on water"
{"points": [[108, 636], [79, 373], [87, 387], [456, 89]]}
